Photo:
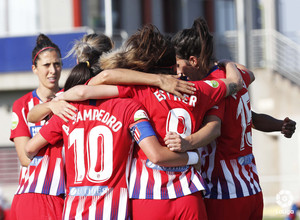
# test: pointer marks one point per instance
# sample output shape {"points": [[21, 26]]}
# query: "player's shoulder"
{"points": [[213, 83], [126, 102], [24, 99]]}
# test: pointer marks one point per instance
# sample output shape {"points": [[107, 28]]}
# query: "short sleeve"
{"points": [[19, 126], [125, 91], [52, 131], [246, 77], [217, 110], [211, 91]]}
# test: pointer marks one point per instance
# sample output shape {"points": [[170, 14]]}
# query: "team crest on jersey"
{"points": [[140, 114], [212, 83], [14, 121]]}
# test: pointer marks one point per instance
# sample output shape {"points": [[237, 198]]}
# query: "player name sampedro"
{"points": [[99, 115]]}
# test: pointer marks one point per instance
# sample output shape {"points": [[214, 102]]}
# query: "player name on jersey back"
{"points": [[99, 115], [163, 95]]}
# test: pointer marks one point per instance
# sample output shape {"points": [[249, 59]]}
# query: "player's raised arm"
{"points": [[169, 83], [234, 80], [61, 108], [84, 92]]}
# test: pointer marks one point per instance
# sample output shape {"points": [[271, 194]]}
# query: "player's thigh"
{"points": [[190, 207], [149, 209], [186, 207], [249, 207], [13, 208], [45, 206]]}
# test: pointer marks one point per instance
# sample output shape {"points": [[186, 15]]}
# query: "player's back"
{"points": [[169, 113], [98, 153], [228, 165], [236, 137]]}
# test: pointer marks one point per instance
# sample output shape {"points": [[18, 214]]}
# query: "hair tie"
{"points": [[41, 50], [88, 64]]}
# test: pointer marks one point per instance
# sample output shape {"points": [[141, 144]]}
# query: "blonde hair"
{"points": [[144, 51], [87, 50]]}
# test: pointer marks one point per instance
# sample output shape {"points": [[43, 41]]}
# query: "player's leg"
{"points": [[39, 206], [13, 208], [148, 209], [258, 206], [250, 207], [190, 207]]}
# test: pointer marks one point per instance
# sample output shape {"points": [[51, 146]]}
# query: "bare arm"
{"points": [[20, 143], [161, 155], [34, 145], [234, 80], [267, 123], [61, 108], [84, 92], [169, 83], [209, 132], [240, 66]]}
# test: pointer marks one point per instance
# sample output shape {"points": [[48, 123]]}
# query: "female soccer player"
{"points": [[96, 196], [41, 182], [88, 49], [152, 187], [98, 150], [228, 163]]}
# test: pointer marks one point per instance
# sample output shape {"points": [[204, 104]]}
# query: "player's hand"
{"points": [[288, 127], [63, 109], [176, 143], [172, 84]]}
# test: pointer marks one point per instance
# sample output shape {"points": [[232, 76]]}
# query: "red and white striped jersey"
{"points": [[228, 165], [45, 174], [169, 113], [98, 153]]}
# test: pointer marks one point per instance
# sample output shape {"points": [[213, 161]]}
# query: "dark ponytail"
{"points": [[195, 41], [206, 41], [79, 75]]}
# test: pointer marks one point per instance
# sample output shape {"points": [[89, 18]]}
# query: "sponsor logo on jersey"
{"points": [[14, 121], [36, 160], [212, 83], [34, 130], [140, 114], [169, 169], [88, 191], [245, 160]]}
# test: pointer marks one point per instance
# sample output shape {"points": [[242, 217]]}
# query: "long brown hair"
{"points": [[147, 50]]}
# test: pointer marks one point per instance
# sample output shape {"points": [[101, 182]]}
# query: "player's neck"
{"points": [[46, 94]]}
